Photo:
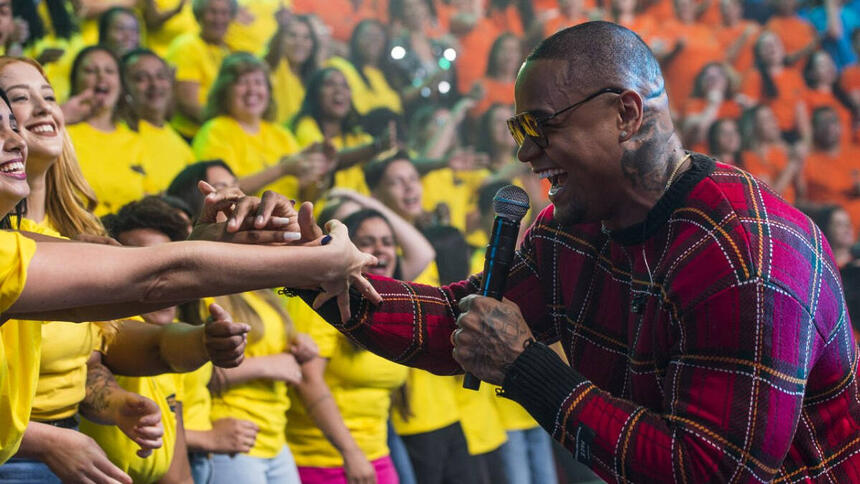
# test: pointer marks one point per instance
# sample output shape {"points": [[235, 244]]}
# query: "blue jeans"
{"points": [[400, 457], [528, 457], [201, 467], [245, 469], [26, 471]]}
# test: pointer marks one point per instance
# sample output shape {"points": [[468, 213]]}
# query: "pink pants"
{"points": [[385, 473]]}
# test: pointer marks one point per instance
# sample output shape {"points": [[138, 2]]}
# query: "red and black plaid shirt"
{"points": [[709, 343]]}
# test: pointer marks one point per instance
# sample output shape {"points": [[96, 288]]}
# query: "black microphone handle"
{"points": [[497, 263]]}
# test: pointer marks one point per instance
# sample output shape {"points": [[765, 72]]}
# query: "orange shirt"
{"points": [[728, 109], [560, 22], [340, 15], [727, 36], [494, 92], [662, 10], [474, 54], [507, 20], [795, 32], [815, 99], [643, 24], [700, 49], [768, 167], [790, 86], [712, 16], [850, 78], [830, 179]]}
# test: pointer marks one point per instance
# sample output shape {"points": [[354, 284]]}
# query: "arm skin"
{"points": [[322, 408], [137, 280], [186, 100], [141, 349]]}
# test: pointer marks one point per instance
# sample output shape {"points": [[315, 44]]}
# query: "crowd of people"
{"points": [[145, 122]]}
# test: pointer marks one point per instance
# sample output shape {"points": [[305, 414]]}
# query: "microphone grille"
{"points": [[511, 202]]}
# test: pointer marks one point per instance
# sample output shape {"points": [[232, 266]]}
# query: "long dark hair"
{"points": [[699, 88], [62, 20], [713, 142], [108, 15], [121, 104], [274, 54], [355, 52], [768, 87], [492, 59], [184, 185], [835, 87], [312, 107]]}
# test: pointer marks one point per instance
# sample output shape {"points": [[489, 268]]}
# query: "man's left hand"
{"points": [[490, 336]]}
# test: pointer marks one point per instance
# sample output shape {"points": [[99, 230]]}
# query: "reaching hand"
{"points": [[304, 348], [225, 340], [140, 419], [354, 263], [233, 436], [80, 107], [230, 216], [283, 367], [77, 458]]}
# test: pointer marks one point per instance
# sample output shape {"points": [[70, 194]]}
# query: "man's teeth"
{"points": [[12, 167], [550, 172]]}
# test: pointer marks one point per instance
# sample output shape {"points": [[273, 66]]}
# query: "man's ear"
{"points": [[630, 114]]}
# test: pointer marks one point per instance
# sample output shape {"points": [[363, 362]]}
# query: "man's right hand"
{"points": [[233, 436], [77, 458]]}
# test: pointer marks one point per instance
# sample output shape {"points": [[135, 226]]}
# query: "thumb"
{"points": [[205, 188], [307, 223], [219, 314]]}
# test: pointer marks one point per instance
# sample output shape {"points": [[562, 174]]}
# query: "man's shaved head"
{"points": [[604, 54]]}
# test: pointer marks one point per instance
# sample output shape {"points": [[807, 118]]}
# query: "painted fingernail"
{"points": [[259, 220], [291, 236], [292, 202], [325, 240]]}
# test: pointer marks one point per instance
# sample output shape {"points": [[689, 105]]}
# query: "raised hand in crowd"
{"points": [[224, 340], [81, 106]]}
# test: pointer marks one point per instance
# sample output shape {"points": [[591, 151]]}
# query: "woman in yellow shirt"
{"points": [[256, 390], [328, 114], [363, 69], [197, 57], [119, 30], [240, 131], [292, 57], [339, 432], [110, 154], [60, 279], [149, 83]]}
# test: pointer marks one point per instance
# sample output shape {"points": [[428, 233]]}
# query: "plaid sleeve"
{"points": [[725, 415], [413, 325]]}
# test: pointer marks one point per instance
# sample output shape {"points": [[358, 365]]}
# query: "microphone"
{"points": [[510, 204]]}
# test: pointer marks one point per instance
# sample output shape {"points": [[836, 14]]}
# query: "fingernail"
{"points": [[291, 236], [259, 220], [325, 240]]}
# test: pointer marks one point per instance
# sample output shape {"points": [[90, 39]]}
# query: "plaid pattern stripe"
{"points": [[715, 347]]}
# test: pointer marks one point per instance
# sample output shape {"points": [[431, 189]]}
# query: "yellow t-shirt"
{"points": [[112, 163], [195, 61], [263, 402], [121, 450], [181, 23], [287, 91], [457, 189], [165, 154], [480, 418], [195, 398], [248, 153], [360, 384], [251, 30], [371, 94], [65, 349], [19, 370], [511, 413], [307, 132]]}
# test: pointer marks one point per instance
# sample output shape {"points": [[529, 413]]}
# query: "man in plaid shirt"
{"points": [[702, 316]]}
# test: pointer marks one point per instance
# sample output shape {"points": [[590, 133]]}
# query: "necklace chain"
{"points": [[675, 172]]}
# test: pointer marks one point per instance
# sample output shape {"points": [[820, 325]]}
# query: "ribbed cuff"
{"points": [[540, 381]]}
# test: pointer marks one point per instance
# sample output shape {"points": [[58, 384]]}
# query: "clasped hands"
{"points": [[229, 215], [490, 335]]}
